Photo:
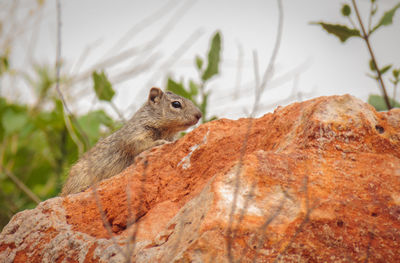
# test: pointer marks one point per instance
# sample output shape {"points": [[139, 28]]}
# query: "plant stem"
{"points": [[370, 17], [120, 115], [20, 185], [352, 23], [203, 98], [269, 71], [365, 36], [60, 94]]}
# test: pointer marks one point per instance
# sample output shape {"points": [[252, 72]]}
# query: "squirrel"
{"points": [[155, 123]]}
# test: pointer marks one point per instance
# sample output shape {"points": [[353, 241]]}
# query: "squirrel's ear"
{"points": [[155, 94]]}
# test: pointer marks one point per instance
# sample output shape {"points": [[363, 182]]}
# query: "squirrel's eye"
{"points": [[176, 104]]}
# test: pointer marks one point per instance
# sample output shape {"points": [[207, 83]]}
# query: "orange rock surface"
{"points": [[317, 181]]}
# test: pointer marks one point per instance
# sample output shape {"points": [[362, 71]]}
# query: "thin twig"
{"points": [[246, 205], [175, 56], [239, 72], [105, 221], [230, 230], [83, 57], [20, 185], [270, 68], [58, 66], [74, 136], [263, 228], [133, 220], [130, 220], [103, 216], [115, 108], [365, 36], [58, 53], [295, 89], [10, 16], [259, 90], [352, 22], [370, 17], [33, 39], [303, 222], [256, 73], [298, 230], [147, 47], [260, 235], [370, 238], [137, 69], [94, 186], [109, 62], [242, 214], [277, 82], [141, 25]]}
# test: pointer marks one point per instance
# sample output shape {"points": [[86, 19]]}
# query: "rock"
{"points": [[317, 181]]}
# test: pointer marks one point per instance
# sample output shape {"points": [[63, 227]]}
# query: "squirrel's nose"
{"points": [[198, 115]]}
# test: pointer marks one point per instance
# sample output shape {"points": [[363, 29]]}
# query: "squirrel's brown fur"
{"points": [[155, 123]]}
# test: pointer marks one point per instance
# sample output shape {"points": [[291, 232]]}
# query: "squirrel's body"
{"points": [[155, 123]]}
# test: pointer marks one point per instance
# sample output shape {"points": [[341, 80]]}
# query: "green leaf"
{"points": [[396, 73], [177, 88], [385, 69], [7, 187], [36, 178], [395, 82], [372, 76], [341, 31], [379, 102], [199, 62], [212, 118], [45, 79], [346, 10], [213, 58], [4, 65], [372, 65], [91, 123], [13, 121], [194, 89], [53, 120], [374, 10], [102, 86], [203, 106], [387, 18]]}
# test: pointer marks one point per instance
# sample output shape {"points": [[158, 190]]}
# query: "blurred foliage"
{"points": [[196, 90], [39, 144], [379, 103], [343, 32], [3, 64], [102, 86]]}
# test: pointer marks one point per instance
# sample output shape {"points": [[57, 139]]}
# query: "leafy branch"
{"points": [[196, 91], [344, 32]]}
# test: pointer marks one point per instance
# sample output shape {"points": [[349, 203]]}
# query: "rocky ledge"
{"points": [[317, 181]]}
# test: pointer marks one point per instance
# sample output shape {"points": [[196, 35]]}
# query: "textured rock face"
{"points": [[317, 181]]}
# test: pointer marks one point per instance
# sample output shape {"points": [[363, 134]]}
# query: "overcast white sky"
{"points": [[317, 63]]}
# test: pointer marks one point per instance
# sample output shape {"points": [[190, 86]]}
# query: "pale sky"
{"points": [[309, 59]]}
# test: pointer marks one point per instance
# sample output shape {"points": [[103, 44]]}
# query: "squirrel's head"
{"points": [[172, 111]]}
